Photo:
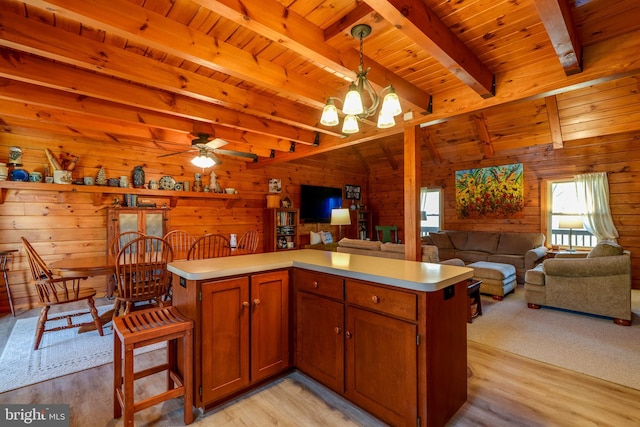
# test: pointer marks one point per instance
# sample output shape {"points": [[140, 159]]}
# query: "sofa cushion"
{"points": [[482, 241], [326, 237], [605, 249], [470, 256], [360, 244], [519, 243], [392, 247], [314, 238], [459, 239], [441, 240]]}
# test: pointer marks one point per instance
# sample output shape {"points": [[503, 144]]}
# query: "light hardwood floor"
{"points": [[504, 390]]}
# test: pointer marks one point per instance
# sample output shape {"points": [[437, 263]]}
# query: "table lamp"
{"points": [[570, 222], [340, 217]]}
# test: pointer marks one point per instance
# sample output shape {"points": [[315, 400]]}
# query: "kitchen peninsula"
{"points": [[389, 335]]}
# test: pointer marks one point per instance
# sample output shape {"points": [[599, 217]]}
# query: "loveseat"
{"points": [[522, 250], [598, 284], [384, 250]]}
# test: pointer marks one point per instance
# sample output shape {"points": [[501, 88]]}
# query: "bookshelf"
{"points": [[361, 227], [281, 229]]}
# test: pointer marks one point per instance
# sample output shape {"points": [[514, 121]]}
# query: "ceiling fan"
{"points": [[207, 146]]}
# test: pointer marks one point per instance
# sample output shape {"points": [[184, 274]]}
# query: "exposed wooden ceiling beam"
{"points": [[557, 20], [427, 141], [63, 46], [414, 19], [25, 68], [483, 134], [389, 155], [554, 122]]}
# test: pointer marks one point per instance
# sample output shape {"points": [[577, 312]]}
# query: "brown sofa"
{"points": [[598, 284], [522, 250], [384, 250]]}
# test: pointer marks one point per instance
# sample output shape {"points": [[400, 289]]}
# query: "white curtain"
{"points": [[593, 197]]}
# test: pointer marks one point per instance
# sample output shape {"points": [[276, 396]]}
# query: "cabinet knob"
{"points": [[256, 301], [348, 334], [375, 299], [245, 303], [315, 284], [337, 330]]}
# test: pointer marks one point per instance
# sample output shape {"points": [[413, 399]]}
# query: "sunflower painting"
{"points": [[493, 192]]}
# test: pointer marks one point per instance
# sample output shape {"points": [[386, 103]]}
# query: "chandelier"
{"points": [[353, 107]]}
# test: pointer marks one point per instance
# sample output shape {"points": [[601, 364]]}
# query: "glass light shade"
{"points": [[391, 103], [353, 102], [340, 217], [350, 124], [203, 161], [329, 114], [385, 120]]}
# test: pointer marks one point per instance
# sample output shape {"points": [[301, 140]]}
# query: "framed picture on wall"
{"points": [[352, 192], [274, 185]]}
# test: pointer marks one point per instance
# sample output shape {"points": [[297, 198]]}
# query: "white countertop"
{"points": [[420, 276]]}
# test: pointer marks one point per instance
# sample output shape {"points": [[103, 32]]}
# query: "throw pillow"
{"points": [[326, 237], [605, 249], [314, 238]]}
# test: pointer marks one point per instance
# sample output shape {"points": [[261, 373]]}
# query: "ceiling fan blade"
{"points": [[173, 154], [216, 143], [236, 153]]}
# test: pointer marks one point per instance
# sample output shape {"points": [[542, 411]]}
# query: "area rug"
{"points": [[587, 344], [60, 353]]}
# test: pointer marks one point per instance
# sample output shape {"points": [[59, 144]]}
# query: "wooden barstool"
{"points": [[140, 329]]}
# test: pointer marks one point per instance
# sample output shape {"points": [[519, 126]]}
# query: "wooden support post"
{"points": [[412, 166]]}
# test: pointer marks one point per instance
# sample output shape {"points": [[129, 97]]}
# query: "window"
{"points": [[430, 206], [564, 205]]}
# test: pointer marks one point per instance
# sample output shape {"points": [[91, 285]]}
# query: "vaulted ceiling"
{"points": [[258, 72]]}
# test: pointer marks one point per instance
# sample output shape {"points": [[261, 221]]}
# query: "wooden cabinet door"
{"points": [[320, 339], [269, 324], [381, 366], [225, 337]]}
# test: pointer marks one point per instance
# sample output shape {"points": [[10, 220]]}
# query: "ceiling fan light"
{"points": [[353, 101], [203, 161], [385, 120], [391, 103], [350, 124], [329, 114]]}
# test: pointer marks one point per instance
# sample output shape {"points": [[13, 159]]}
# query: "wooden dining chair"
{"points": [[121, 240], [141, 270], [55, 291], [248, 242], [210, 246], [385, 232], [180, 241]]}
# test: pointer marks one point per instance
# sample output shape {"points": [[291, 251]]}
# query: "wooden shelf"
{"points": [[99, 191]]}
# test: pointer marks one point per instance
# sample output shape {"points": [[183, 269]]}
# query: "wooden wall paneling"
{"points": [[615, 154]]}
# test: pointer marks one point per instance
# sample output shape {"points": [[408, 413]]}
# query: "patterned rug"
{"points": [[591, 345], [60, 353]]}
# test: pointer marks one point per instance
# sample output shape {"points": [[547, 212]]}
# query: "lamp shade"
{"points": [[352, 102], [329, 114], [340, 217], [570, 222], [350, 124]]}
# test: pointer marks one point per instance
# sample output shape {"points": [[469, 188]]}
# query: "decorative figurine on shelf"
{"points": [[15, 156], [101, 178], [197, 182], [212, 181], [138, 177], [286, 203]]}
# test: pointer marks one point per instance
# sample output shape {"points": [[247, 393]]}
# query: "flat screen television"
{"points": [[316, 202]]}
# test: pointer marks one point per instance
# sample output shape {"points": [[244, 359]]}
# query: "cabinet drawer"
{"points": [[319, 283], [389, 301]]}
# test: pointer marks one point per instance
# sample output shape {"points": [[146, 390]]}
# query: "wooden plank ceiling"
{"points": [[258, 72]]}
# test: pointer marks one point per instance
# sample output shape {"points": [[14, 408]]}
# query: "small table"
{"points": [[4, 255], [98, 265], [473, 291]]}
